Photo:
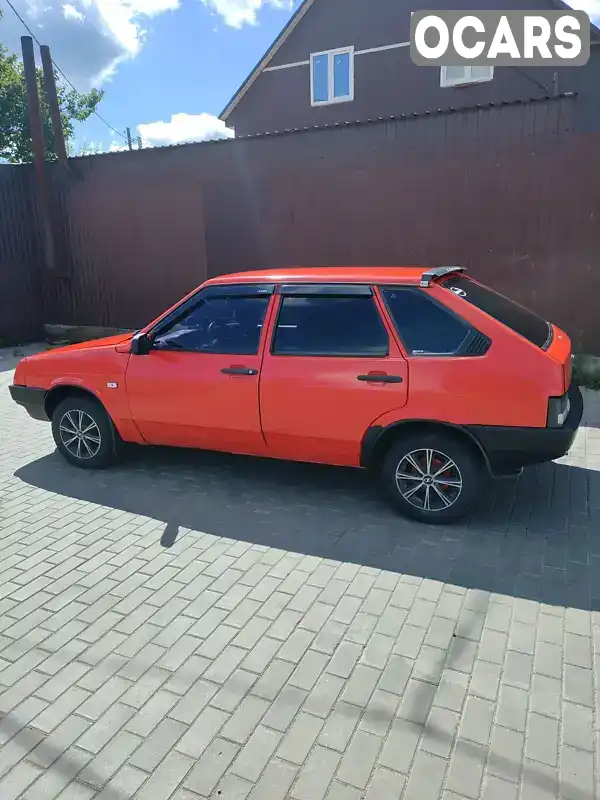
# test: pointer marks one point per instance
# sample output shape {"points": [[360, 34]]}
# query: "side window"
{"points": [[509, 313], [425, 327], [459, 76], [227, 325], [330, 326], [332, 76]]}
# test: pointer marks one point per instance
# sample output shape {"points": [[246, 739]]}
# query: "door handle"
{"points": [[239, 371], [374, 378]]}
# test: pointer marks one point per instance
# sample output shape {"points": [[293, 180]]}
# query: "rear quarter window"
{"points": [[424, 325], [514, 316]]}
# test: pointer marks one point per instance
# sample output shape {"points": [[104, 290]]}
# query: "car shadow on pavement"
{"points": [[532, 537], [59, 766], [412, 716]]}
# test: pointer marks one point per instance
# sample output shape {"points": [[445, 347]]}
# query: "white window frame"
{"points": [[444, 81], [331, 100]]}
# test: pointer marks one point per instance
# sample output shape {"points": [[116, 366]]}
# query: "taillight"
{"points": [[558, 411]]}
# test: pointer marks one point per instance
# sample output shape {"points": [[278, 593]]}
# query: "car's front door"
{"points": [[198, 385], [331, 370]]}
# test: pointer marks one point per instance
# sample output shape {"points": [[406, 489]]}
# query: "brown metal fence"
{"points": [[509, 191], [20, 258], [133, 237]]}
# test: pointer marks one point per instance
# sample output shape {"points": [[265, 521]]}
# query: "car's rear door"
{"points": [[198, 385], [331, 368]]}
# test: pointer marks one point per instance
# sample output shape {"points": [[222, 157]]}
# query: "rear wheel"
{"points": [[433, 477], [84, 433]]}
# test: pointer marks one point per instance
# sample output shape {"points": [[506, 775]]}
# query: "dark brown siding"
{"points": [[20, 258], [387, 83]]}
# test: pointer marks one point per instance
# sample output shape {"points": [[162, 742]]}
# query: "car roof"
{"points": [[409, 275]]}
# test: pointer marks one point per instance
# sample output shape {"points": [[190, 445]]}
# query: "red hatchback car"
{"points": [[426, 376]]}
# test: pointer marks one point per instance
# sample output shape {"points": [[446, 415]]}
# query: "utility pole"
{"points": [[129, 144], [139, 141], [36, 131], [52, 100]]}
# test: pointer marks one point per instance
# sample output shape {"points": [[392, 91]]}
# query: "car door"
{"points": [[198, 385], [332, 368]]}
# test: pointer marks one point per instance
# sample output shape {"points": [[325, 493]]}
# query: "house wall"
{"points": [[20, 257], [387, 83]]}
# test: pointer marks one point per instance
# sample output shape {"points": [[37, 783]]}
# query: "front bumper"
{"points": [[508, 449], [33, 400]]}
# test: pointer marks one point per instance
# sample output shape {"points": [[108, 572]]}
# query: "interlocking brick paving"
{"points": [[194, 625]]}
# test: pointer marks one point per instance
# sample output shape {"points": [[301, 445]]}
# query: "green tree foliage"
{"points": [[15, 143]]}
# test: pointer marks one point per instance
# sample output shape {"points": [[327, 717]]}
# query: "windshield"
{"points": [[516, 317]]}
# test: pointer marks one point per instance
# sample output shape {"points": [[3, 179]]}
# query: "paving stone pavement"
{"points": [[193, 625]]}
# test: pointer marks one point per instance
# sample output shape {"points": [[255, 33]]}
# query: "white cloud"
{"points": [[184, 128], [592, 7], [237, 13], [88, 38], [71, 12]]}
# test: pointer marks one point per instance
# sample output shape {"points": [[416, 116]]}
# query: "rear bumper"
{"points": [[508, 449], [33, 400]]}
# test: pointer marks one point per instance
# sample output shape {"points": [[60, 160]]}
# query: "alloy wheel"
{"points": [[80, 434], [429, 480]]}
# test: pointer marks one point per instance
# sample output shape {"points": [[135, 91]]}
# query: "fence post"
{"points": [[52, 100], [36, 131]]}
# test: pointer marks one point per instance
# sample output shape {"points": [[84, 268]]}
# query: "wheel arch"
{"points": [[110, 441], [56, 394], [378, 439]]}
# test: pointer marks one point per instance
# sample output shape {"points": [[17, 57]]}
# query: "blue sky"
{"points": [[191, 63], [175, 62], [168, 67]]}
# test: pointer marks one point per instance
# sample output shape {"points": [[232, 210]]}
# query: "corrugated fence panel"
{"points": [[509, 191], [137, 239], [20, 257]]}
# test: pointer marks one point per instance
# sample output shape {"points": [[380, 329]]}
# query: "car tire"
{"points": [[433, 495], [84, 433]]}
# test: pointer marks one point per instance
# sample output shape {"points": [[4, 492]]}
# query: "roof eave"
{"points": [[594, 29], [268, 56]]}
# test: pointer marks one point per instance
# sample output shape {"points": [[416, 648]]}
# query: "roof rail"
{"points": [[428, 277]]}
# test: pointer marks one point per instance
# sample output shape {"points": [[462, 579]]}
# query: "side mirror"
{"points": [[141, 344]]}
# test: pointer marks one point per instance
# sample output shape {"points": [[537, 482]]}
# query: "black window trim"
{"points": [[337, 291], [471, 330], [220, 291], [326, 289]]}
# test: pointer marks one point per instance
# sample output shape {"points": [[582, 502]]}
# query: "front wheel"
{"points": [[84, 434], [433, 477]]}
